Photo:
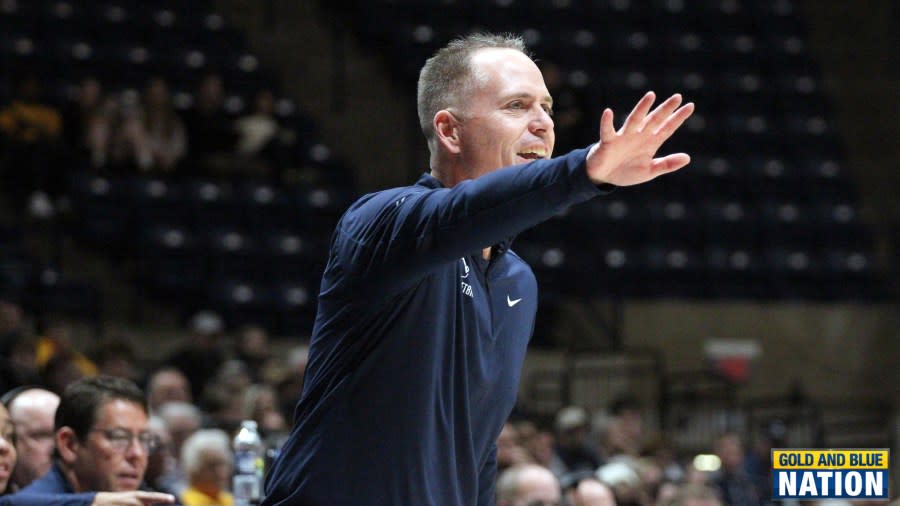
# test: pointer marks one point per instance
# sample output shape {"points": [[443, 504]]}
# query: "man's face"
{"points": [[32, 414], [506, 115], [104, 461], [169, 386]]}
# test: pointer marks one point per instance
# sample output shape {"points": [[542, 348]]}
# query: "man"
{"points": [[585, 490], [167, 385], [737, 486], [572, 446], [102, 444], [32, 410], [528, 485], [424, 312]]}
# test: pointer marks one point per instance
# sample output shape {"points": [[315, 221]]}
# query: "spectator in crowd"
{"points": [[509, 452], [7, 449], [223, 397], [209, 129], [253, 350], [200, 357], [183, 419], [167, 384], [102, 444], [541, 445], [30, 130], [206, 458], [88, 123], [583, 489], [260, 403], [622, 476], [32, 411], [527, 485], [154, 135], [736, 486], [61, 370], [162, 464], [57, 342], [625, 432], [697, 495], [572, 446], [262, 142]]}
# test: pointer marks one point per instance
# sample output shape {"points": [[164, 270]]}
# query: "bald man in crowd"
{"points": [[32, 412], [528, 485]]}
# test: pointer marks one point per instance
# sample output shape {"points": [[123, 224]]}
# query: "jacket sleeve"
{"points": [[394, 237], [40, 499]]}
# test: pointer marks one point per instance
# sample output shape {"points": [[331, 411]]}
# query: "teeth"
{"points": [[539, 153]]}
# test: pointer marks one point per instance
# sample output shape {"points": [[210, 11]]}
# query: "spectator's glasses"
{"points": [[120, 439]]}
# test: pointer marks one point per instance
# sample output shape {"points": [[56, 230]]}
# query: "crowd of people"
{"points": [[77, 423], [133, 131], [64, 434]]}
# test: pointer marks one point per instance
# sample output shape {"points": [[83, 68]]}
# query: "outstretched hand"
{"points": [[628, 156]]}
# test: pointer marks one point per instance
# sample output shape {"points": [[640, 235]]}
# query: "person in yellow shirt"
{"points": [[207, 460]]}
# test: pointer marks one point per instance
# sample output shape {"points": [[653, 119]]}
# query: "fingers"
{"points": [[636, 118], [663, 111], [607, 129], [669, 163], [147, 498], [674, 120]]}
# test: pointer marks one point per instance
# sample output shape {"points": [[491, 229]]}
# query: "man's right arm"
{"points": [[396, 237]]}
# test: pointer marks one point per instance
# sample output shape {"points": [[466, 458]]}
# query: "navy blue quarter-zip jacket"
{"points": [[419, 341]]}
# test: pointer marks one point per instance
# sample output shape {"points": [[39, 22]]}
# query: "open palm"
{"points": [[628, 156]]}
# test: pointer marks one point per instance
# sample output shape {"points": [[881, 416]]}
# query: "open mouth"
{"points": [[533, 154]]}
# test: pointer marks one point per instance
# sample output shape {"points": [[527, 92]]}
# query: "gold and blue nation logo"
{"points": [[830, 474]]}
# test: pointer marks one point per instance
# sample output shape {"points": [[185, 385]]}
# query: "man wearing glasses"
{"points": [[102, 446]]}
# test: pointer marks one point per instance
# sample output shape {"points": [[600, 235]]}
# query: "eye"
{"points": [[516, 104], [548, 109]]}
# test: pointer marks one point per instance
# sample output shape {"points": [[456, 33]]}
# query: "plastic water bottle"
{"points": [[247, 482]]}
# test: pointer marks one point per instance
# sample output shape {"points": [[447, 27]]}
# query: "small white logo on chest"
{"points": [[465, 287], [512, 302]]}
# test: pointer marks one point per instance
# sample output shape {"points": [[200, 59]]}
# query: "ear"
{"points": [[66, 444], [446, 131]]}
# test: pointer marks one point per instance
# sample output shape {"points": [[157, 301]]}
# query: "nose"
{"points": [[541, 120], [136, 450]]}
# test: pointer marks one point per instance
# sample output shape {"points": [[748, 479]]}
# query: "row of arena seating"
{"points": [[768, 208]]}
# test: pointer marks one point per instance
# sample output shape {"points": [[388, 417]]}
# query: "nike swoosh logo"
{"points": [[512, 302]]}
